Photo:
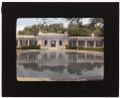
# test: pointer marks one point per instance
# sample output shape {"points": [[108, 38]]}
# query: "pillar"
{"points": [[18, 43], [85, 43], [18, 55], [57, 43], [94, 56], [77, 43], [28, 43], [48, 44], [94, 44]]}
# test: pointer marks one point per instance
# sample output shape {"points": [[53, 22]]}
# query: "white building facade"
{"points": [[52, 40], [58, 41]]}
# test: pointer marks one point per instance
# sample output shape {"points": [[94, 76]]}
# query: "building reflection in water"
{"points": [[75, 63]]}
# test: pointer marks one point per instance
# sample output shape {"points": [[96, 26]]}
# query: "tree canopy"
{"points": [[75, 27]]}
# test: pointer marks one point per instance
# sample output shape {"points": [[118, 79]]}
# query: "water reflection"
{"points": [[66, 65]]}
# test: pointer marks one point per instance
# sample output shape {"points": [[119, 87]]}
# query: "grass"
{"points": [[93, 49], [67, 47], [28, 47]]}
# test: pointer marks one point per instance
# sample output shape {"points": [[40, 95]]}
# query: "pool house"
{"points": [[58, 41]]}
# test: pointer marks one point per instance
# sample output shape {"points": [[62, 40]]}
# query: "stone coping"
{"points": [[66, 50], [86, 78], [32, 79]]}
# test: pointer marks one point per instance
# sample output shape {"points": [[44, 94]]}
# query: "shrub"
{"points": [[18, 48], [39, 46], [67, 46], [82, 48], [30, 47]]}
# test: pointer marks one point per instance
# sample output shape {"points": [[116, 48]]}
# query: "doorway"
{"points": [[53, 43]]}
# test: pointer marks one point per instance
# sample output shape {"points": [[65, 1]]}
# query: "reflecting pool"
{"points": [[59, 65]]}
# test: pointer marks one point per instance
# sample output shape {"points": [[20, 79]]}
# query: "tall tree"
{"points": [[99, 22], [75, 21]]}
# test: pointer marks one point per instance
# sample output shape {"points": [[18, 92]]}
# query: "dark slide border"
{"points": [[109, 87]]}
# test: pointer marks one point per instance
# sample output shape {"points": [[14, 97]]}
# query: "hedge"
{"points": [[30, 47], [82, 48], [94, 49]]}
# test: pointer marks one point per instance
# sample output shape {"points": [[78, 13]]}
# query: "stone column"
{"points": [[56, 43], [39, 42], [48, 43], [18, 55], [94, 44], [72, 42], [18, 43], [77, 43], [66, 41], [85, 43], [94, 56], [28, 43], [42, 43]]}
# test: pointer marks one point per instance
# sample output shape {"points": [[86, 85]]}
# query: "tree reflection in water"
{"points": [[72, 68], [72, 62]]}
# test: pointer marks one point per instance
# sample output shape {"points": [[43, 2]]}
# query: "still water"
{"points": [[60, 65]]}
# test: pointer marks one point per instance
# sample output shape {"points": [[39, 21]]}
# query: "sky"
{"points": [[23, 22]]}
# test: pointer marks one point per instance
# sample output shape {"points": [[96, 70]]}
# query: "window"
{"points": [[36, 42], [45, 42], [20, 42], [31, 42], [98, 44], [81, 43], [60, 42], [90, 43], [53, 43], [70, 42], [26, 42]]}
